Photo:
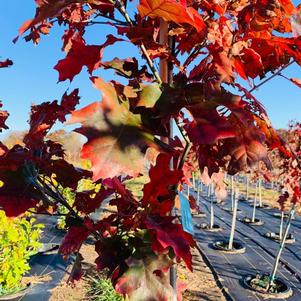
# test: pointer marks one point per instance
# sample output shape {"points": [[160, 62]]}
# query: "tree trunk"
{"points": [[198, 194], [254, 210], [256, 192], [211, 223], [281, 225], [281, 247], [167, 77], [232, 193], [234, 213], [259, 193], [193, 181], [208, 191], [247, 193]]}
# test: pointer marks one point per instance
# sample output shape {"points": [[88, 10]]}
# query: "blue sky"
{"points": [[32, 78]]}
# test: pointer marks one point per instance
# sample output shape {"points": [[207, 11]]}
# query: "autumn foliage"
{"points": [[215, 50], [290, 167]]}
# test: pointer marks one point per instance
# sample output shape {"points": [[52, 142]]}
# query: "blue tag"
{"points": [[186, 214]]}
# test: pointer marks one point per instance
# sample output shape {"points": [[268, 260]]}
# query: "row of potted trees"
{"points": [[267, 284]]}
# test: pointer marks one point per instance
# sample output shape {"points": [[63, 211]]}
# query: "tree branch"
{"points": [[120, 6]]}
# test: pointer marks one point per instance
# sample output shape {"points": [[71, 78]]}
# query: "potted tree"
{"points": [[199, 184], [260, 204], [270, 284], [231, 246], [245, 197], [211, 226], [278, 236], [253, 220], [226, 130], [232, 196]]}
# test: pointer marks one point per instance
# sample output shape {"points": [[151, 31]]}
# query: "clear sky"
{"points": [[32, 78]]}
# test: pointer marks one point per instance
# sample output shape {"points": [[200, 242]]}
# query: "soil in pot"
{"points": [[290, 239], [256, 222], [278, 215], [230, 209], [205, 226], [16, 293], [259, 283], [264, 206], [223, 246]]}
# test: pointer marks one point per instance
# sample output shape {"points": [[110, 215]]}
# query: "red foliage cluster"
{"points": [[290, 167], [213, 46]]}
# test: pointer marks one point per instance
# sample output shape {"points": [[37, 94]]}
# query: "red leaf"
{"points": [[283, 198], [74, 238], [3, 116], [168, 234], [208, 127], [156, 193], [16, 205], [213, 6], [6, 63], [146, 279], [115, 135], [171, 10], [65, 173], [251, 64], [79, 55], [44, 116], [85, 203], [112, 252], [296, 81], [246, 150], [46, 9], [17, 194]]}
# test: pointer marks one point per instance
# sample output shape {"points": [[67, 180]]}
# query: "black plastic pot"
{"points": [[18, 294], [48, 248], [248, 220], [278, 215], [264, 206], [284, 292], [290, 239], [200, 214], [230, 209], [206, 227], [222, 246]]}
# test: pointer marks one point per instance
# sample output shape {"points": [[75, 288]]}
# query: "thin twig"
{"points": [[101, 23], [122, 10], [271, 77], [184, 155], [111, 19]]}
